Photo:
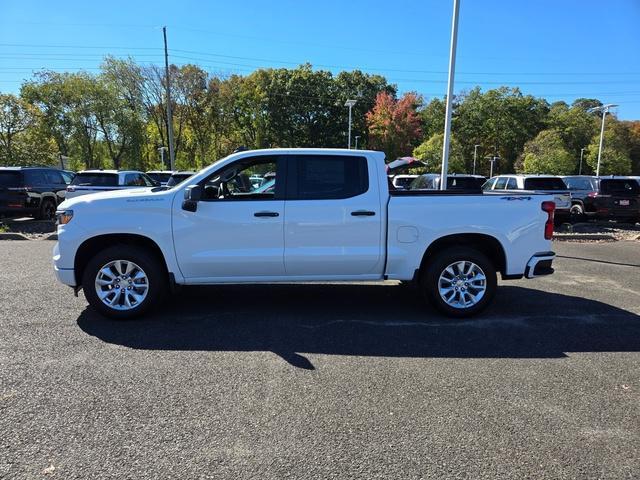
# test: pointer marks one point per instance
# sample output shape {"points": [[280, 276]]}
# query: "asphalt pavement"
{"points": [[325, 381]]}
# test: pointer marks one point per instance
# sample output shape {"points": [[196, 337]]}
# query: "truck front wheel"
{"points": [[123, 281], [459, 281]]}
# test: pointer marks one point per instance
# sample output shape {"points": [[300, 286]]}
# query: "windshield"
{"points": [[96, 179], [619, 186], [9, 179], [544, 183]]}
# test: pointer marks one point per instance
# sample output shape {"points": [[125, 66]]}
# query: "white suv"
{"points": [[93, 181], [548, 184]]}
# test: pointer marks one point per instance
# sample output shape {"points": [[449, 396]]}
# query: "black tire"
{"points": [[429, 280], [577, 212], [149, 263], [47, 210]]}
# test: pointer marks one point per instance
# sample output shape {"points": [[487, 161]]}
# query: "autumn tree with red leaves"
{"points": [[394, 125]]}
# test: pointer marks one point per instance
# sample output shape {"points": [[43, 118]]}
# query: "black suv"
{"points": [[604, 197], [32, 191]]}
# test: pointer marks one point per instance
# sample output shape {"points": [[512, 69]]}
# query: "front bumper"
{"points": [[539, 265], [66, 276]]}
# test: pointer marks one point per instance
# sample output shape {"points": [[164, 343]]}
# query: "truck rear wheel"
{"points": [[123, 282], [459, 281]]}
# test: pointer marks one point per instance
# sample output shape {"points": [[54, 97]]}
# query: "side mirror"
{"points": [[192, 195]]}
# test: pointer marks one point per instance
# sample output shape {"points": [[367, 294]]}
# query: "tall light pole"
{"points": [[493, 160], [604, 109], [475, 156], [161, 151], [168, 85], [350, 104], [580, 167], [447, 119], [357, 137]]}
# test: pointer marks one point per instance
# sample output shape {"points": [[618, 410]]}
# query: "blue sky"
{"points": [[560, 49]]}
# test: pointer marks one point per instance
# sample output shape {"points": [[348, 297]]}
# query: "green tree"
{"points": [[432, 116], [547, 154], [16, 118], [615, 159], [574, 124], [501, 120], [430, 152]]}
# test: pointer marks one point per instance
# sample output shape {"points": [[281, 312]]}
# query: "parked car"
{"points": [[160, 176], [402, 182], [178, 177], [330, 216], [431, 181], [32, 191], [605, 198], [93, 181], [549, 184]]}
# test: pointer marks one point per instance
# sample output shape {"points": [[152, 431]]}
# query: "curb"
{"points": [[12, 236], [569, 236]]}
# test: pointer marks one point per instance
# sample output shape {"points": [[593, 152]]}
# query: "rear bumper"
{"points": [[540, 264]]}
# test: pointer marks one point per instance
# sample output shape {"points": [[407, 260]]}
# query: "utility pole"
{"points": [[580, 167], [604, 109], [357, 137], [475, 157], [350, 104], [168, 85], [447, 119]]}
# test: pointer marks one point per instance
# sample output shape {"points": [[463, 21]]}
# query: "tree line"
{"points": [[117, 119]]}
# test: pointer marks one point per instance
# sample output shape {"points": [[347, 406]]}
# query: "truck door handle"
{"points": [[266, 214], [363, 213]]}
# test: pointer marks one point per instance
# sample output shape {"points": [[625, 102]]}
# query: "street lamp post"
{"points": [[475, 156], [580, 167], [350, 104], [357, 137], [161, 150], [604, 109], [493, 160]]}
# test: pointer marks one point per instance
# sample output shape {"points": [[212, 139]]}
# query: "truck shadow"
{"points": [[370, 320]]}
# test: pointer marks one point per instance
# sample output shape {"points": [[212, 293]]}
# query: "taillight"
{"points": [[592, 194], [550, 208]]}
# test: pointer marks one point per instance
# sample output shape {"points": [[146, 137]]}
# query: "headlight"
{"points": [[64, 216]]}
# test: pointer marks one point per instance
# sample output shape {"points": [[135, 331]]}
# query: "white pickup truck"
{"points": [[330, 216]]}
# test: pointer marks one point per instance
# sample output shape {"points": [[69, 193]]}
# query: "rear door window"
{"points": [[578, 183], [95, 180], [34, 177], [134, 180], [512, 184], [317, 177], [544, 183], [619, 187], [501, 183], [54, 177]]}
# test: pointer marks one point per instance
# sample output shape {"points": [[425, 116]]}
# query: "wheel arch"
{"points": [[486, 244], [91, 246]]}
